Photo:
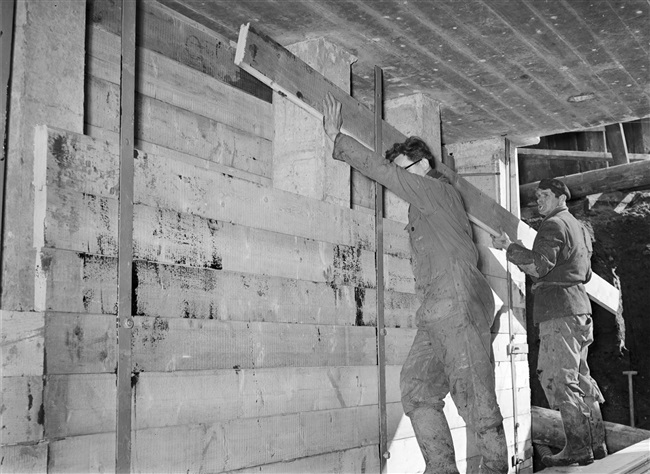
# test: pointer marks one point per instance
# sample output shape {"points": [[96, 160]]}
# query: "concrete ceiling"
{"points": [[499, 67]]}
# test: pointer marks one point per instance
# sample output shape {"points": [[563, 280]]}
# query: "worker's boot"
{"points": [[494, 451], [578, 439], [598, 445], [434, 437]]}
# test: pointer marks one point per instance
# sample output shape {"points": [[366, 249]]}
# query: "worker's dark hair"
{"points": [[556, 186], [414, 148]]}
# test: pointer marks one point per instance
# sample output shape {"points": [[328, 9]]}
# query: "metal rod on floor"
{"points": [[125, 233], [379, 260], [629, 374]]}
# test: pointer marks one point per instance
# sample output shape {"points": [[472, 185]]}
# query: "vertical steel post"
{"points": [[125, 233], [516, 459], [379, 261]]}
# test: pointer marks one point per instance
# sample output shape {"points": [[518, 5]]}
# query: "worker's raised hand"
{"points": [[502, 241], [332, 118]]}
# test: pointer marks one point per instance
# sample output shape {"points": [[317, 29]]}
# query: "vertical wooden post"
{"points": [[616, 143], [6, 41], [379, 239], [125, 233]]}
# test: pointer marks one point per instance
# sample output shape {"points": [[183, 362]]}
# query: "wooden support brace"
{"points": [[616, 143], [278, 68]]}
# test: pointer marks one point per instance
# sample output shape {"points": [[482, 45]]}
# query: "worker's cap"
{"points": [[555, 185]]}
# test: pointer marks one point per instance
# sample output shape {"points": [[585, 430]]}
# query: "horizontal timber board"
{"points": [[24, 459], [80, 343], [22, 399], [276, 66], [87, 223], [79, 404], [200, 397], [75, 282], [102, 134], [179, 38], [173, 127], [221, 447], [22, 345], [355, 460], [171, 82], [171, 344], [90, 166]]}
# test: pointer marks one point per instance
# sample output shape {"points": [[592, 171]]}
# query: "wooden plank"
{"points": [[87, 453], [363, 459], [80, 343], [179, 398], [164, 79], [102, 134], [172, 127], [616, 143], [22, 409], [24, 459], [79, 404], [177, 37], [89, 166], [254, 441], [540, 154], [22, 345], [86, 223], [81, 283], [172, 344], [272, 63]]}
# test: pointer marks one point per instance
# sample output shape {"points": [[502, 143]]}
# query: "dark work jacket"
{"points": [[559, 265], [444, 257]]}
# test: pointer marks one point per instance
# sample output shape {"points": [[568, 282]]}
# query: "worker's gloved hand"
{"points": [[332, 118], [502, 241]]}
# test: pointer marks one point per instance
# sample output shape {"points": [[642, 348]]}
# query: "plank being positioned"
{"points": [[292, 78]]}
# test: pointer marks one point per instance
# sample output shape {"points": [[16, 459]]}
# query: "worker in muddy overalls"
{"points": [[559, 265], [451, 352]]}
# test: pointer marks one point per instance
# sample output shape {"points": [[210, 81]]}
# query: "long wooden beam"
{"points": [[615, 178], [535, 153], [275, 66], [616, 143]]}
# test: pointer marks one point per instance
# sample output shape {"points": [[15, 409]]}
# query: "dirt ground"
{"points": [[620, 225]]}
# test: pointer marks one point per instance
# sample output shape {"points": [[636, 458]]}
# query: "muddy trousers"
{"points": [[452, 356], [564, 375]]}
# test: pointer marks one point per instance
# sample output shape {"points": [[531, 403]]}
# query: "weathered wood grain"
{"points": [[24, 459], [173, 127], [22, 409], [80, 163], [169, 81], [172, 344], [80, 343], [82, 283], [203, 397], [22, 345], [177, 37], [86, 223], [363, 459], [79, 404]]}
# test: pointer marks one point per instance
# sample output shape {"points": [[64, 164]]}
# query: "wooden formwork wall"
{"points": [[254, 346]]}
